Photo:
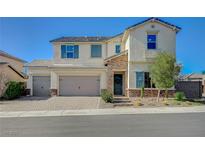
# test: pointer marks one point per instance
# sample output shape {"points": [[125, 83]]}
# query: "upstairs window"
{"points": [[69, 51], [96, 51], [151, 41], [117, 49]]}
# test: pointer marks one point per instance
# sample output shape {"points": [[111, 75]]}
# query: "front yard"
{"points": [[152, 102], [78, 103]]}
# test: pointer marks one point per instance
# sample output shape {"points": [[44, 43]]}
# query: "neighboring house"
{"points": [[11, 69], [83, 66], [194, 77]]}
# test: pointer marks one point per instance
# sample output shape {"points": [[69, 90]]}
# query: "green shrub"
{"points": [[107, 96], [179, 96], [142, 92], [14, 90]]}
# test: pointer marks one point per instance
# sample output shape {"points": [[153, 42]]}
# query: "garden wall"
{"points": [[191, 89]]}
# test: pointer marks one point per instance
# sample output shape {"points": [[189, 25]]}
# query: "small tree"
{"points": [[3, 81], [164, 72]]}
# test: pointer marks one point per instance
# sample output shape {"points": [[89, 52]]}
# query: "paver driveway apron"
{"points": [[53, 103]]}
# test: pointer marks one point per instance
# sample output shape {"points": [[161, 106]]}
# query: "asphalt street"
{"points": [[139, 125]]}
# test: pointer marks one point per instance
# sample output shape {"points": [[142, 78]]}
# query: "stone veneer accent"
{"points": [[27, 92], [113, 65], [148, 92], [53, 92]]}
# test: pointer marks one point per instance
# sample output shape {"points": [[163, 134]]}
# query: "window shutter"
{"points": [[139, 79], [63, 51], [76, 51]]}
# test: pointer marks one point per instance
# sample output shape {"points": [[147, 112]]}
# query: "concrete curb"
{"points": [[125, 111]]}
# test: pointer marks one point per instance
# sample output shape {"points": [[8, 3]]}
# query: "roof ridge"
{"points": [[154, 19], [11, 56], [60, 39]]}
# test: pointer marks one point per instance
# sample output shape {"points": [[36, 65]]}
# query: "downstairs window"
{"points": [[143, 79]]}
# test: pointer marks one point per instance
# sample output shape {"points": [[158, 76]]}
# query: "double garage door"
{"points": [[79, 86], [68, 85]]}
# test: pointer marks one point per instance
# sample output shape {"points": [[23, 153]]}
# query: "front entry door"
{"points": [[118, 80]]}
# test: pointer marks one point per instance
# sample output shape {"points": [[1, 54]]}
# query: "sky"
{"points": [[28, 38]]}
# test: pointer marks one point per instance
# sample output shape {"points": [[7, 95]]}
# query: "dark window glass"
{"points": [[151, 41], [151, 38], [143, 79], [69, 51], [96, 51], [70, 48], [151, 45], [147, 80], [70, 55], [117, 49]]}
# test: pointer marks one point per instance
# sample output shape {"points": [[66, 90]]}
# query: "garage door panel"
{"points": [[79, 85], [41, 85]]}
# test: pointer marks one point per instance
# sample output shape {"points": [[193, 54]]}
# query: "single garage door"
{"points": [[79, 85], [41, 85]]}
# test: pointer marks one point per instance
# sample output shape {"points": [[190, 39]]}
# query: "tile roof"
{"points": [[104, 38], [3, 53], [116, 55], [154, 19], [81, 39], [192, 76], [38, 63]]}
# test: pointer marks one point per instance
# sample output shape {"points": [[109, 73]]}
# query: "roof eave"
{"points": [[153, 19]]}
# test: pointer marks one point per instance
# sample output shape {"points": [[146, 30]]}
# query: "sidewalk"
{"points": [[104, 111]]}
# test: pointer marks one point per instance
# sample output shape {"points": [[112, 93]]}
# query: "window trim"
{"points": [[91, 51], [66, 51]]}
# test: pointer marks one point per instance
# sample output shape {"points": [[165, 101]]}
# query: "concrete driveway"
{"points": [[53, 103]]}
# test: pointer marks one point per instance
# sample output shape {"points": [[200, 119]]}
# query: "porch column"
{"points": [[54, 84], [103, 80], [29, 88]]}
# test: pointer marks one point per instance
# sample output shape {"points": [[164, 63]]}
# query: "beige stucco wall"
{"points": [[84, 55], [10, 74], [111, 46], [15, 63], [55, 73], [138, 55], [166, 41], [133, 68], [127, 43]]}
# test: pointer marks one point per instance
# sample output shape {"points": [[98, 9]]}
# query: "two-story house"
{"points": [[83, 66]]}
